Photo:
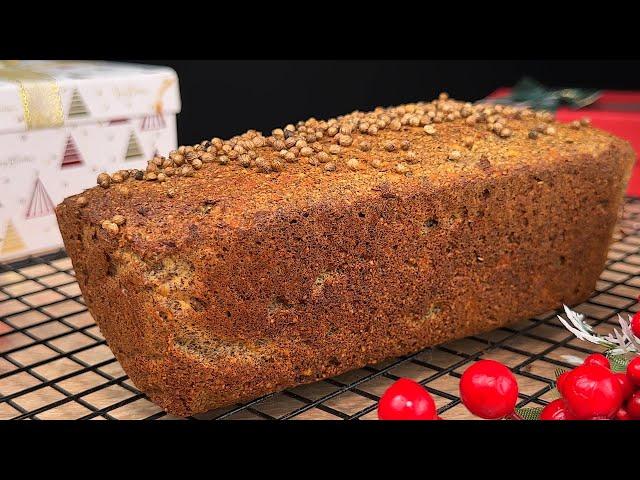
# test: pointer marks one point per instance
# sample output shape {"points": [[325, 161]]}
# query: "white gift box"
{"points": [[62, 123]]}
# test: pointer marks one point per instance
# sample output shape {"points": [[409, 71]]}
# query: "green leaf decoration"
{"points": [[618, 362], [534, 94], [529, 413]]}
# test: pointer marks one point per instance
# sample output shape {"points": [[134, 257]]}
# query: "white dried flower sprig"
{"points": [[618, 343]]}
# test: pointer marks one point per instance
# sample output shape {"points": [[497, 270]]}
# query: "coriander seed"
{"points": [[277, 165], [346, 129], [454, 155], [330, 167], [505, 133], [377, 164], [401, 168], [206, 158], [323, 157], [244, 161], [353, 164], [290, 142], [389, 146], [104, 180], [364, 146], [411, 157], [345, 140], [110, 227], [262, 165], [82, 201], [429, 129], [118, 220], [335, 149], [290, 157], [178, 159]]}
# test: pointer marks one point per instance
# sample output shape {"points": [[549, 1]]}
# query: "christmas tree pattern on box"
{"points": [[40, 204], [77, 108], [11, 241], [71, 156], [153, 122], [133, 147]]}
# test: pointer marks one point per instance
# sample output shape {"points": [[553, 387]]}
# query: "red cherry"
{"points": [[406, 400], [622, 414], [556, 410], [635, 323], [625, 384], [489, 390], [633, 371], [560, 381], [597, 359], [633, 406], [592, 391]]}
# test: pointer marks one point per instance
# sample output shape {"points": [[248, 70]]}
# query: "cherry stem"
{"points": [[514, 416]]}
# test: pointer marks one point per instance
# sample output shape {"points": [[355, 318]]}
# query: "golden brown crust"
{"points": [[231, 283]]}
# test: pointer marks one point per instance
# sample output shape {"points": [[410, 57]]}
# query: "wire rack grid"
{"points": [[55, 364]]}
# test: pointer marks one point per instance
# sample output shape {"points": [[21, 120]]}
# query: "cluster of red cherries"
{"points": [[489, 390]]}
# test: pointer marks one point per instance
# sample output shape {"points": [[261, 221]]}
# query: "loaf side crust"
{"points": [[242, 284]]}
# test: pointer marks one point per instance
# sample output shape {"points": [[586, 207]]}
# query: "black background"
{"points": [[226, 97]]}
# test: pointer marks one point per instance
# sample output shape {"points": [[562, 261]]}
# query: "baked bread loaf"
{"points": [[231, 269]]}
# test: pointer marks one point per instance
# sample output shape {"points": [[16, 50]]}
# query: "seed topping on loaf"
{"points": [[354, 143]]}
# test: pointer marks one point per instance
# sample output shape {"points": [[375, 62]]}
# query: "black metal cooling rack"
{"points": [[55, 364]]}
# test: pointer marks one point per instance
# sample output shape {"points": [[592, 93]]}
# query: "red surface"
{"points": [[617, 112]]}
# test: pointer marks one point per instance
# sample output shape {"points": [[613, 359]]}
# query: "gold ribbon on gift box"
{"points": [[39, 93]]}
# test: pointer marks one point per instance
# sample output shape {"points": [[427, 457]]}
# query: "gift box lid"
{"points": [[52, 93]]}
